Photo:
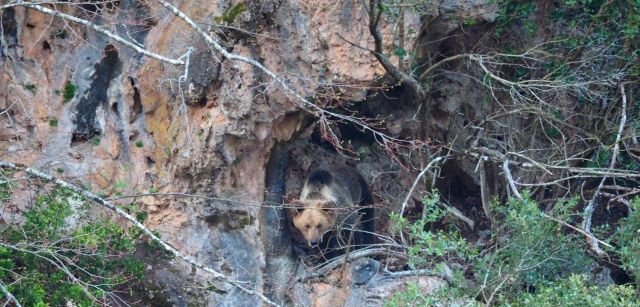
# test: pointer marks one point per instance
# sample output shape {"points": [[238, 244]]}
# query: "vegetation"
{"points": [[536, 256], [68, 91], [627, 239], [532, 260], [31, 88], [230, 15], [56, 259], [427, 246], [95, 141], [576, 291]]}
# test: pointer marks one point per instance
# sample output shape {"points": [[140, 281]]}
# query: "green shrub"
{"points": [[31, 88], [575, 291], [230, 15], [59, 262], [6, 185], [529, 252], [94, 141], [68, 91], [627, 238], [411, 296], [532, 250], [426, 247]]}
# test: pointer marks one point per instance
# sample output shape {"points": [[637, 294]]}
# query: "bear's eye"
{"points": [[307, 226], [319, 225]]}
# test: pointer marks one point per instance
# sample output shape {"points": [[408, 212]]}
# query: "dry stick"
{"points": [[433, 67], [9, 296], [581, 172], [351, 256], [507, 173], [457, 213], [101, 201], [415, 182], [588, 235], [620, 199], [588, 210], [484, 192], [420, 272]]}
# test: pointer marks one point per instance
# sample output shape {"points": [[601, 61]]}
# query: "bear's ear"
{"points": [[329, 207], [297, 207]]}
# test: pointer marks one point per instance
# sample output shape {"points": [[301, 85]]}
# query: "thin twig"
{"points": [[420, 272]]}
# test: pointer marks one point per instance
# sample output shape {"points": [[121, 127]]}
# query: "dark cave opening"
{"points": [[459, 190], [86, 124]]}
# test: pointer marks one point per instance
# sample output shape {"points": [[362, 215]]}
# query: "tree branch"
{"points": [[375, 12], [589, 209], [9, 296], [415, 182]]}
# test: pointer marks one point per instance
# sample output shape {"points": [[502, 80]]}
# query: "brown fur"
{"points": [[333, 213], [313, 219]]}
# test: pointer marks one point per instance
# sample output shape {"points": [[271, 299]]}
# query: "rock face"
{"points": [[77, 104]]}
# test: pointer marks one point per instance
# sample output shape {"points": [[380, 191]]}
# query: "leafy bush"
{"points": [[627, 238], [48, 261], [69, 91], [530, 254], [575, 291], [31, 88], [427, 246], [532, 250], [413, 296]]}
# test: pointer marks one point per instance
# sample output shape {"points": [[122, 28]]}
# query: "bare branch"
{"points": [[586, 234], [507, 173], [336, 262], [484, 191], [375, 12], [433, 67], [588, 210], [9, 296], [415, 182]]}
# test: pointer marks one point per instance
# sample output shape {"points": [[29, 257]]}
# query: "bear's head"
{"points": [[313, 218]]}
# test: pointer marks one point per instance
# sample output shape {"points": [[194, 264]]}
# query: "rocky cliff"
{"points": [[94, 112]]}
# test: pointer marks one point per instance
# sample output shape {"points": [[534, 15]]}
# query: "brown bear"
{"points": [[334, 212]]}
